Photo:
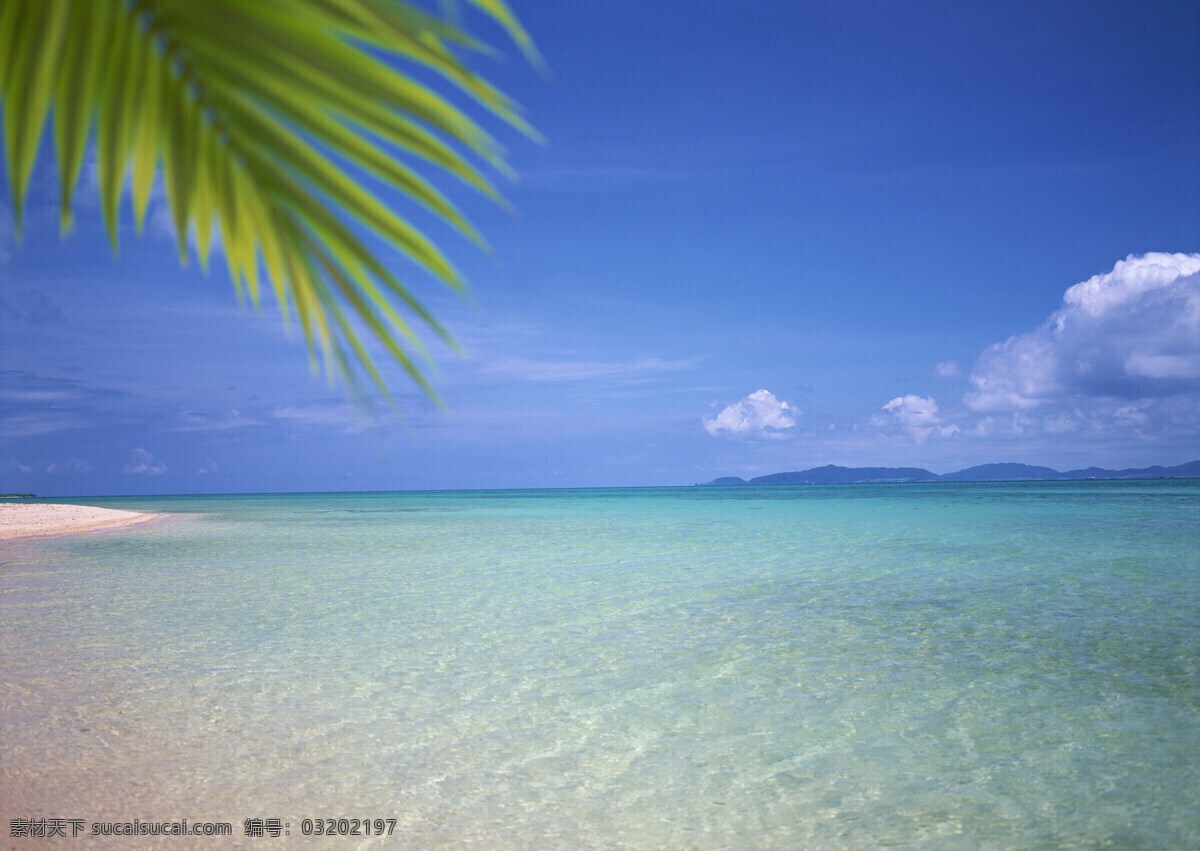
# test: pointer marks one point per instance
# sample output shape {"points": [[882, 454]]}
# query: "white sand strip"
{"points": [[21, 520]]}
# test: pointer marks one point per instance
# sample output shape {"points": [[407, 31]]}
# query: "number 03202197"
{"points": [[347, 826]]}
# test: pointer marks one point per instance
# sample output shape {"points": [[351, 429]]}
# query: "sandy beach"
{"points": [[20, 520]]}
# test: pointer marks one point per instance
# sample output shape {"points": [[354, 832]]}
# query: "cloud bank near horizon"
{"points": [[1130, 334], [1119, 359], [1120, 356]]}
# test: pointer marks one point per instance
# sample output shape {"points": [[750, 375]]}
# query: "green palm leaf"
{"points": [[264, 117]]}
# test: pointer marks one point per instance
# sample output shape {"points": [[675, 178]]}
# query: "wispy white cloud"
{"points": [[34, 422], [204, 421], [603, 178], [61, 391], [32, 307], [759, 414], [947, 369], [324, 414], [34, 404], [527, 369]]}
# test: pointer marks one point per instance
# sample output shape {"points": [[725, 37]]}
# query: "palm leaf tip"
{"points": [[498, 10], [262, 120]]}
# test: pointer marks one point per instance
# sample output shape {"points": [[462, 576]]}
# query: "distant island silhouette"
{"points": [[834, 475]]}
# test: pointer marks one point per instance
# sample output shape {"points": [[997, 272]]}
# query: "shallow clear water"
{"points": [[990, 665]]}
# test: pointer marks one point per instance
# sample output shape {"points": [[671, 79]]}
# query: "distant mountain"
{"points": [[1190, 470], [1004, 473], [833, 475]]}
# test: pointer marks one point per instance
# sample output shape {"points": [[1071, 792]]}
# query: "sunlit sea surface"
{"points": [[941, 666]]}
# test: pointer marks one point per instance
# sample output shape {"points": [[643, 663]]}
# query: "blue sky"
{"points": [[761, 237]]}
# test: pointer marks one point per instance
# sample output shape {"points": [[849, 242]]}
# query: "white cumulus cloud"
{"points": [[918, 416], [758, 415], [1132, 333], [143, 462]]}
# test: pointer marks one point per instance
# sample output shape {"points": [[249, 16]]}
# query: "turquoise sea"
{"points": [[1007, 665]]}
